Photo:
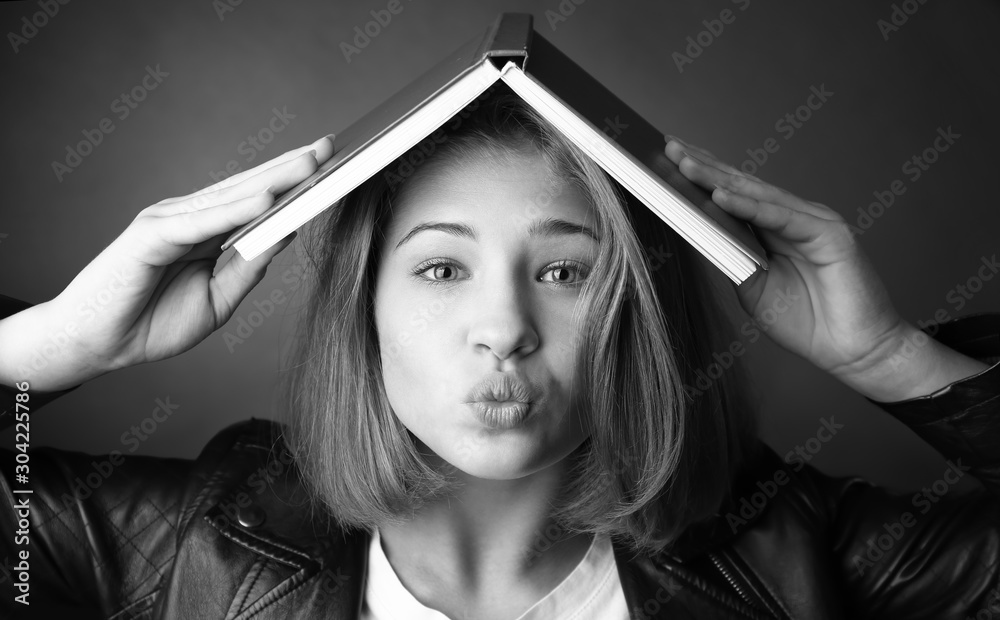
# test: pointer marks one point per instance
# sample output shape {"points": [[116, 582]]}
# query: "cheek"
{"points": [[414, 337], [562, 356]]}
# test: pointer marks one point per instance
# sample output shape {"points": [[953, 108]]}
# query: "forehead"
{"points": [[504, 186]]}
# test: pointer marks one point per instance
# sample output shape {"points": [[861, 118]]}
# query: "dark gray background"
{"points": [[226, 75]]}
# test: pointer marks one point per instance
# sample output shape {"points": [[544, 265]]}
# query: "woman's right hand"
{"points": [[151, 294]]}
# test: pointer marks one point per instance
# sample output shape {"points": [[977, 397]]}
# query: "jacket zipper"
{"points": [[732, 581]]}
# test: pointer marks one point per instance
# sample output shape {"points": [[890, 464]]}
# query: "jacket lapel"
{"points": [[288, 560], [649, 594], [280, 558]]}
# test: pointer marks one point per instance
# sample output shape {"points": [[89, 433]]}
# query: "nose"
{"points": [[504, 320]]}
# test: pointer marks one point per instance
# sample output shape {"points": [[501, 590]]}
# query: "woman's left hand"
{"points": [[820, 297]]}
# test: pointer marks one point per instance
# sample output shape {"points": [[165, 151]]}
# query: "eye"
{"points": [[440, 270], [567, 273]]}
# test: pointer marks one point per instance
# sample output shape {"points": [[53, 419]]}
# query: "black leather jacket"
{"points": [[227, 535]]}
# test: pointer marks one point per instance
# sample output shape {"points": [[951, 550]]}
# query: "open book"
{"points": [[626, 146]]}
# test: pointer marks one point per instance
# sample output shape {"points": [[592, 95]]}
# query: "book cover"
{"points": [[627, 146]]}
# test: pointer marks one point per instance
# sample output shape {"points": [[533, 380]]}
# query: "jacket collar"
{"points": [[268, 514]]}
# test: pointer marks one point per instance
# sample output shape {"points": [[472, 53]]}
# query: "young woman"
{"points": [[491, 413]]}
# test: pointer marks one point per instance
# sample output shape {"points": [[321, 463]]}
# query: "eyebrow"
{"points": [[549, 227]]}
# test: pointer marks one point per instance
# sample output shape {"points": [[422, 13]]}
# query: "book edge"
{"points": [[484, 51], [692, 211], [244, 243]]}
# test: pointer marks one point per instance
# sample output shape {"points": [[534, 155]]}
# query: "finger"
{"points": [[195, 227], [161, 241], [676, 148], [205, 251], [274, 180], [210, 248], [277, 180], [323, 148], [238, 277], [710, 176], [789, 224]]}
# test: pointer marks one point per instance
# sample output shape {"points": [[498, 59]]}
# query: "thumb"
{"points": [[238, 277]]}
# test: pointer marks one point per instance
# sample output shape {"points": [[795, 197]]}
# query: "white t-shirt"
{"points": [[590, 591]]}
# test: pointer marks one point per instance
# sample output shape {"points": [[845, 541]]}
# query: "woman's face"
{"points": [[483, 263]]}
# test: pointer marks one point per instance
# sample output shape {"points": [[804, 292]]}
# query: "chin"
{"points": [[503, 460], [495, 471]]}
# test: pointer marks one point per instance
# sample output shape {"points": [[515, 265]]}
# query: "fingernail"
{"points": [[269, 190], [313, 153], [720, 188], [332, 137]]}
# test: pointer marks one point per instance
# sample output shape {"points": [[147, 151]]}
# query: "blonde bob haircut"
{"points": [[661, 455]]}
